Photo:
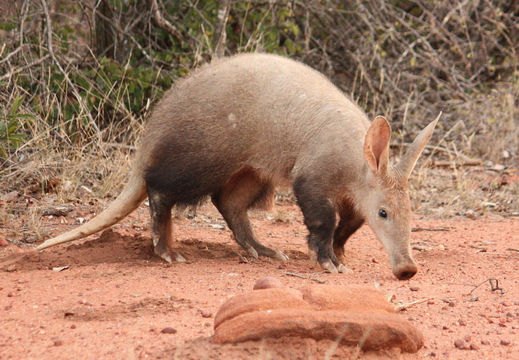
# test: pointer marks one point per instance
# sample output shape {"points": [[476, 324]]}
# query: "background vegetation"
{"points": [[78, 79]]}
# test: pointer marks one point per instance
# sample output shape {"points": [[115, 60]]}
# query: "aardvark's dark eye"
{"points": [[382, 213]]}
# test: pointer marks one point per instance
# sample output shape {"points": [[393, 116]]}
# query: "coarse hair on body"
{"points": [[274, 118]]}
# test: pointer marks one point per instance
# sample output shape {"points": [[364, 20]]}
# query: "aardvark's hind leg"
{"points": [[160, 211], [242, 192]]}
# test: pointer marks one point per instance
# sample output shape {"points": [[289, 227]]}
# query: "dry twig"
{"points": [[305, 277]]}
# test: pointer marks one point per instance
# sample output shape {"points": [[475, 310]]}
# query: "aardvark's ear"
{"points": [[408, 161], [376, 146]]}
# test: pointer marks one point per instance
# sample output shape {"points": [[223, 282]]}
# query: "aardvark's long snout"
{"points": [[403, 266], [406, 271]]}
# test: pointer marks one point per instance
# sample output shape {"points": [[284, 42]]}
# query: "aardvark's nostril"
{"points": [[406, 272]]}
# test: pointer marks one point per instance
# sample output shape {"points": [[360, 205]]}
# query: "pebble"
{"points": [[474, 347], [460, 344], [461, 322], [414, 288], [168, 330], [505, 342], [58, 342], [485, 342], [205, 314]]}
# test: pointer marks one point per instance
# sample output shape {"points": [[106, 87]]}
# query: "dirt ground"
{"points": [[116, 300]]}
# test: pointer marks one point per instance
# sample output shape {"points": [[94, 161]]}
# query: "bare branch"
{"points": [[220, 35], [162, 22], [23, 68], [65, 74]]}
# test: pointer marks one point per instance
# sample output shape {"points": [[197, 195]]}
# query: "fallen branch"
{"points": [[472, 162], [494, 286], [412, 303], [305, 277], [416, 229]]}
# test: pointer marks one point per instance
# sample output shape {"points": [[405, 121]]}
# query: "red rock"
{"points": [[258, 300], [267, 283], [351, 299], [354, 315], [371, 331], [3, 242]]}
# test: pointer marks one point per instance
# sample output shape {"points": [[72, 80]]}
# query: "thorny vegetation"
{"points": [[79, 78]]}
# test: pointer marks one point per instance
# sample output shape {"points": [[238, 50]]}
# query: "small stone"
{"points": [[460, 344], [485, 342], [432, 354], [73, 326], [205, 314], [445, 327], [471, 214], [414, 288], [8, 307], [375, 261], [168, 330], [461, 322], [267, 283], [11, 268], [10, 294], [3, 242], [58, 342], [452, 304], [475, 298], [505, 342], [467, 338]]}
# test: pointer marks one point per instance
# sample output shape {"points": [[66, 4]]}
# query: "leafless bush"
{"points": [[80, 77]]}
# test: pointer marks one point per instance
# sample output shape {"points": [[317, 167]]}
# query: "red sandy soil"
{"points": [[116, 300]]}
